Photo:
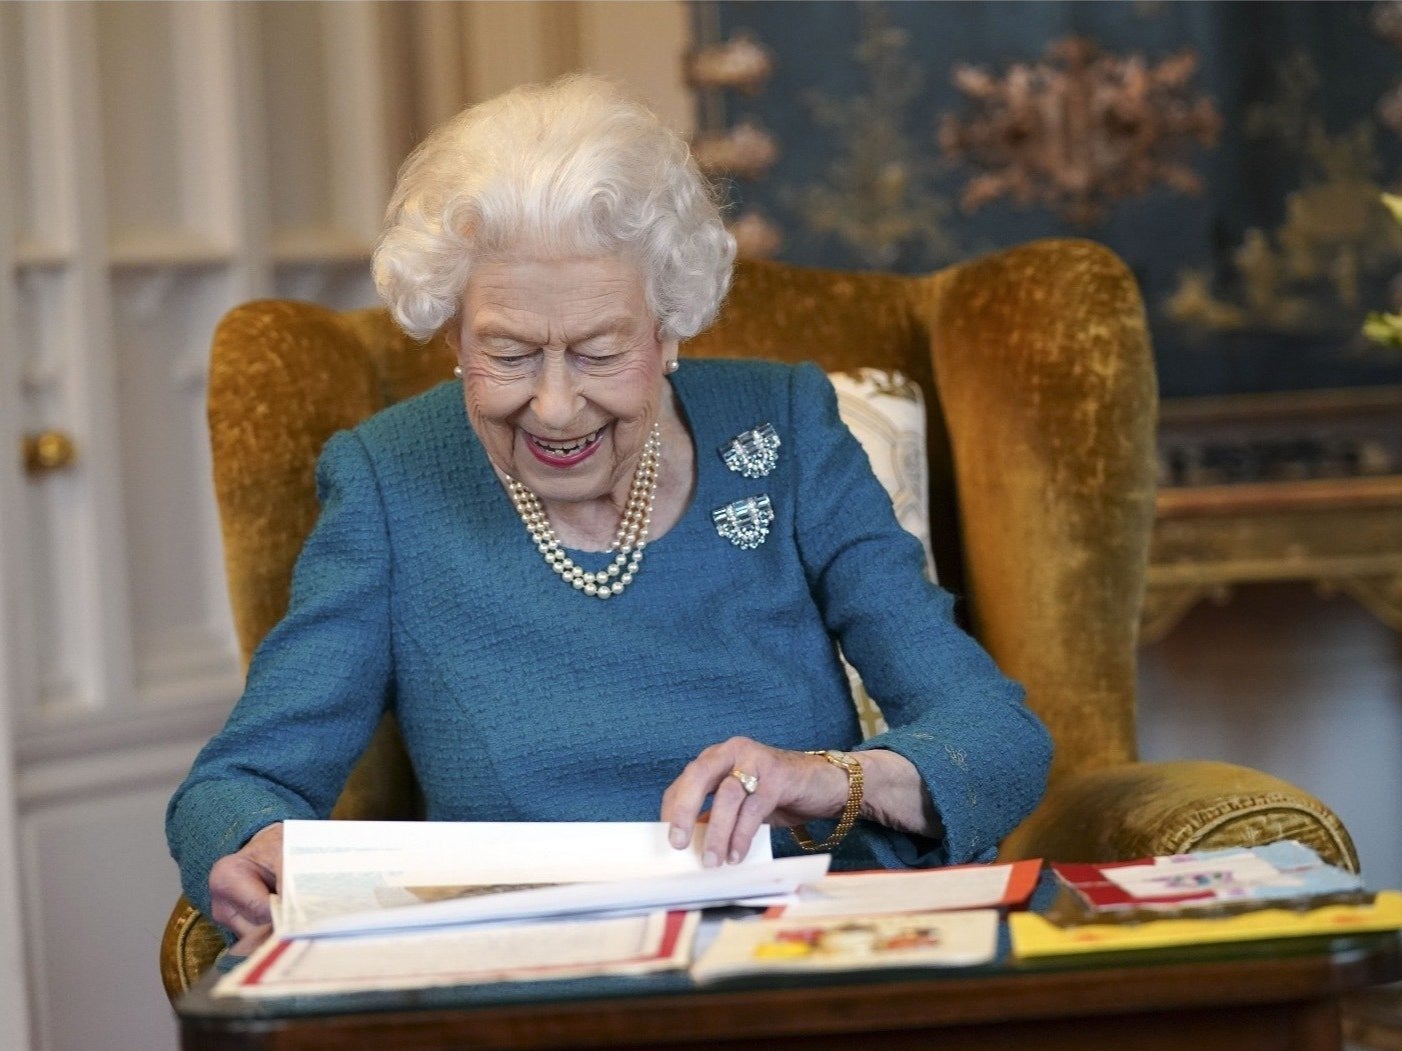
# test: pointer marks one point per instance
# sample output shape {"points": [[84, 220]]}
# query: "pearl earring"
{"points": [[457, 371], [672, 366]]}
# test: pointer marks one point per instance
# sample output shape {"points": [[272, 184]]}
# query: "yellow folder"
{"points": [[1033, 936]]}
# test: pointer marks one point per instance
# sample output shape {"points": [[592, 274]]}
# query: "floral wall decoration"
{"points": [[1080, 130], [1234, 154]]}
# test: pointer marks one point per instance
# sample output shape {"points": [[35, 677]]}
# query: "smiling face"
{"points": [[562, 373]]}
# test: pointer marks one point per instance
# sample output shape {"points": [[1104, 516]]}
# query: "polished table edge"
{"points": [[1251, 974]]}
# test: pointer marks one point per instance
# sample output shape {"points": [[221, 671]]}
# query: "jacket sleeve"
{"points": [[316, 689], [982, 754]]}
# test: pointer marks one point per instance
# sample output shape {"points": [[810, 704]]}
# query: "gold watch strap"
{"points": [[850, 809]]}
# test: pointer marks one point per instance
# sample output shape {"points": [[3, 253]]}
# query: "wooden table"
{"points": [[1277, 996]]}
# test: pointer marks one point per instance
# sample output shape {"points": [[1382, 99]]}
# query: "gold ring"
{"points": [[749, 782]]}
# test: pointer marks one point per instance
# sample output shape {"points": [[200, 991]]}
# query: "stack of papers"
{"points": [[1282, 890], [1211, 882], [874, 920], [393, 905], [382, 905], [913, 890]]}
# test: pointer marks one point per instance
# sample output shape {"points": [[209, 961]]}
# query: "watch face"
{"points": [[846, 760]]}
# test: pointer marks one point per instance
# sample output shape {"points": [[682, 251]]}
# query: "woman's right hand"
{"points": [[240, 885]]}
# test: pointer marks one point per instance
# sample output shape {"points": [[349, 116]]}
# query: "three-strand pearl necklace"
{"points": [[629, 541]]}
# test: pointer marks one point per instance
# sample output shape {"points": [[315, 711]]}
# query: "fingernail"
{"points": [[677, 837], [735, 857], [709, 860]]}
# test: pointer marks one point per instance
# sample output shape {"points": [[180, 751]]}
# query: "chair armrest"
{"points": [[1142, 809], [188, 948], [381, 788]]}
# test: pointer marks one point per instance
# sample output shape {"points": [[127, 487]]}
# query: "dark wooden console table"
{"points": [[1277, 996]]}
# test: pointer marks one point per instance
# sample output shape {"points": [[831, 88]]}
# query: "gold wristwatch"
{"points": [[850, 809]]}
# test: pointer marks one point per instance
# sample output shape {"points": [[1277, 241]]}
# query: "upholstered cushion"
{"points": [[885, 412]]}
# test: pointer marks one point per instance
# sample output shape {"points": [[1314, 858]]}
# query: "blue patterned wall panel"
{"points": [[1232, 153]]}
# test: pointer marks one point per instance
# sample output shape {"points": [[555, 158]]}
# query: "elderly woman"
{"points": [[595, 583]]}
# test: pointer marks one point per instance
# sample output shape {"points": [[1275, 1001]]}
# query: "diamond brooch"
{"points": [[745, 523], [753, 453]]}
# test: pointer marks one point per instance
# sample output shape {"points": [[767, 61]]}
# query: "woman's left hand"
{"points": [[791, 788]]}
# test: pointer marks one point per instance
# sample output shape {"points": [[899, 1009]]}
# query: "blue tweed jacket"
{"points": [[521, 700]]}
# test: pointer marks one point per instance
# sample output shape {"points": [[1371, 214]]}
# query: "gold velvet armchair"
{"points": [[1039, 381]]}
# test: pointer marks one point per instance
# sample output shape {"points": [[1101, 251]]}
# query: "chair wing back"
{"points": [[283, 378], [1044, 371]]}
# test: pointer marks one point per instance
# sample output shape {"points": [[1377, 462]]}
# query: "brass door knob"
{"points": [[48, 451]]}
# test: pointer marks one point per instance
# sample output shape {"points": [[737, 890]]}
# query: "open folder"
{"points": [[342, 878]]}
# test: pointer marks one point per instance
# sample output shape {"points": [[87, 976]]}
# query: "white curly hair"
{"points": [[573, 167]]}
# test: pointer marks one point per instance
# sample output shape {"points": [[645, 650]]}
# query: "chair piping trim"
{"points": [[1197, 835], [182, 936]]}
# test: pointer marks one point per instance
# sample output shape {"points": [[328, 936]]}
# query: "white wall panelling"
{"points": [[40, 178], [510, 43], [162, 317], [88, 662], [327, 128], [54, 648], [293, 116], [335, 284], [609, 42], [162, 163], [359, 158], [639, 42], [99, 921]]}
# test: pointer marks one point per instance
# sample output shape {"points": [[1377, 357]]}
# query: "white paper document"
{"points": [[465, 955], [342, 877], [1225, 878]]}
